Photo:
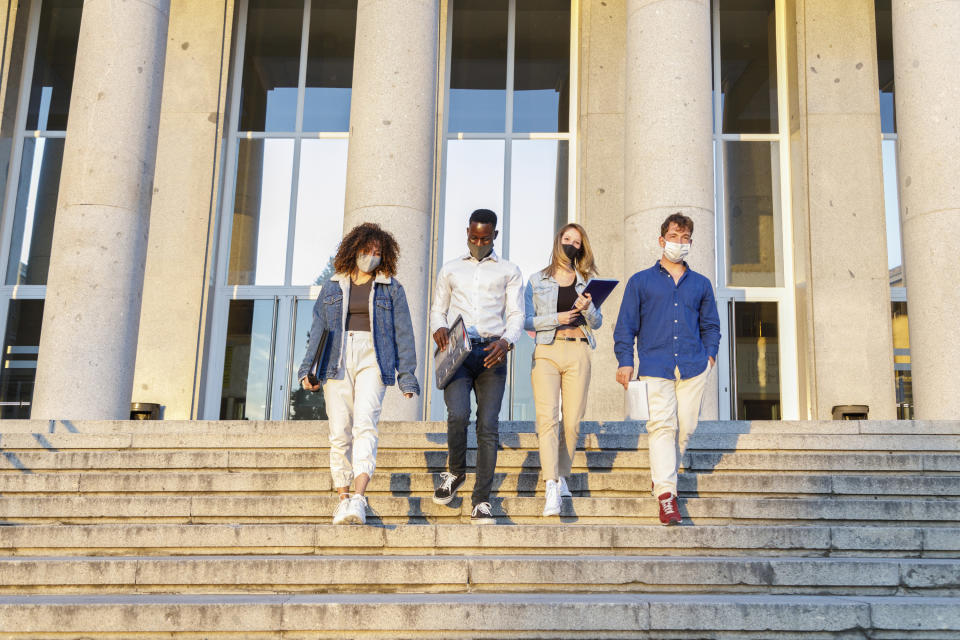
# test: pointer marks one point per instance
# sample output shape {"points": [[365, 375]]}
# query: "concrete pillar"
{"points": [[600, 211], [390, 164], [926, 56], [669, 135], [177, 284], [847, 291], [92, 312]]}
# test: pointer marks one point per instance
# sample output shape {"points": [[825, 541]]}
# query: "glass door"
{"points": [[750, 372]]}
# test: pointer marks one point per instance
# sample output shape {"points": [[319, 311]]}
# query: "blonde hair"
{"points": [[584, 264]]}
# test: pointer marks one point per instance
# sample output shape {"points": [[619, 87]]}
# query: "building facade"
{"points": [[177, 176]]}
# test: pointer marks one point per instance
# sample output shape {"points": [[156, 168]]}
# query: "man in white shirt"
{"points": [[487, 292]]}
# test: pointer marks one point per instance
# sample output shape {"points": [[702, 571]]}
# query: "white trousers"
{"points": [[674, 412], [354, 401]]}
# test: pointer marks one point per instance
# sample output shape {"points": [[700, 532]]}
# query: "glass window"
{"points": [[756, 361], [289, 146], [751, 187], [748, 70], [35, 211], [538, 201], [320, 199], [261, 210], [20, 348], [333, 26], [541, 81], [891, 204], [478, 66], [271, 65], [901, 360], [885, 78], [474, 180], [53, 65], [523, 178], [247, 360]]}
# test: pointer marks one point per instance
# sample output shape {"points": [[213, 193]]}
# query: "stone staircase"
{"points": [[221, 529]]}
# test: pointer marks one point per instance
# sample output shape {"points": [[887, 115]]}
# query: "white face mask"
{"points": [[367, 263], [676, 252]]}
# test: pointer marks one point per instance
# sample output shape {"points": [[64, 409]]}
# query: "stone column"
{"points": [[669, 135], [926, 55], [177, 286], [841, 236], [390, 164], [88, 346]]}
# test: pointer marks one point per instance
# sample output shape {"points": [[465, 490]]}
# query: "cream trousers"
{"points": [[674, 412], [560, 378], [353, 404]]}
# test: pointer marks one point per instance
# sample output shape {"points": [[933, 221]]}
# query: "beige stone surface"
{"points": [[668, 139], [926, 49], [94, 287], [172, 341], [601, 166], [843, 295], [390, 165]]}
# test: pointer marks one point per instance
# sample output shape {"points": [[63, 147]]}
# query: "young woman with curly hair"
{"points": [[370, 346]]}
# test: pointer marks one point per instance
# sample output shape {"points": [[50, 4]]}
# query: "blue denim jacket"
{"points": [[393, 339], [540, 309]]}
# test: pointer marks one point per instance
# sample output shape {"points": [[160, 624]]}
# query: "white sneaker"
{"points": [[357, 512], [552, 505], [564, 490], [342, 512]]}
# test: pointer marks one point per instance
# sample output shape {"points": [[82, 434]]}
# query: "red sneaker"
{"points": [[669, 511]]}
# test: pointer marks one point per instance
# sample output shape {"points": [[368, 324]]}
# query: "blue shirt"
{"points": [[673, 324]]}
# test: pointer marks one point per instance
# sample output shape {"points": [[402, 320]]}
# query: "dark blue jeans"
{"points": [[487, 385]]}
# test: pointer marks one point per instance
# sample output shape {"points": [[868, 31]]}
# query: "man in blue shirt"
{"points": [[670, 312]]}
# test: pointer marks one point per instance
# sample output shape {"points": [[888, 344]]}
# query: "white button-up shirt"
{"points": [[487, 294]]}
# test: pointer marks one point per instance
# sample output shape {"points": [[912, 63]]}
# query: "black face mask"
{"points": [[570, 251]]}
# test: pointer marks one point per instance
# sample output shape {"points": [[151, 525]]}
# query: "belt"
{"points": [[571, 339], [482, 341]]}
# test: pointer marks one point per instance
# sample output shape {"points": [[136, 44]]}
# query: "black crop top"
{"points": [[566, 297]]}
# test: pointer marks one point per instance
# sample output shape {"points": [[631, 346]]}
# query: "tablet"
{"points": [[599, 289]]}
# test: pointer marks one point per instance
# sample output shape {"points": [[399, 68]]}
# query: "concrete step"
{"points": [[451, 539], [484, 573], [779, 442], [481, 615], [906, 427], [625, 483], [33, 461], [318, 508]]}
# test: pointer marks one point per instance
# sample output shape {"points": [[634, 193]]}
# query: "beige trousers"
{"points": [[674, 412], [560, 378]]}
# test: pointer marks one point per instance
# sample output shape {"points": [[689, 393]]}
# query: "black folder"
{"points": [[318, 358]]}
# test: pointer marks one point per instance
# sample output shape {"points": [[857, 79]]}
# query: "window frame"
{"points": [[285, 295], [783, 294], [13, 292], [508, 136]]}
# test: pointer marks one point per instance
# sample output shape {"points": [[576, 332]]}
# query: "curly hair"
{"points": [[364, 236]]}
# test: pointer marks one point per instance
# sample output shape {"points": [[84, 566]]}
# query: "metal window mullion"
{"points": [[789, 373], [508, 161], [13, 173], [270, 359], [229, 199], [295, 177], [573, 175]]}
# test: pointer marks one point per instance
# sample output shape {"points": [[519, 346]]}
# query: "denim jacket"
{"points": [[393, 339], [541, 309]]}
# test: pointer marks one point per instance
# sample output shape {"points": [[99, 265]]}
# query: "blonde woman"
{"points": [[564, 320]]}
